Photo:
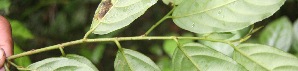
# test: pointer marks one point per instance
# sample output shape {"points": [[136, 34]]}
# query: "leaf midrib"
{"points": [[248, 57]]}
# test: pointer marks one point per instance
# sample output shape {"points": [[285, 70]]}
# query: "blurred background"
{"points": [[41, 23]]}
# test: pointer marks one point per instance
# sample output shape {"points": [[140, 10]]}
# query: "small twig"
{"points": [[118, 45], [247, 36], [6, 67], [160, 21], [18, 67], [61, 50]]}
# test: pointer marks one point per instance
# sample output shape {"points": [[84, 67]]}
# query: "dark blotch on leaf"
{"points": [[104, 8]]}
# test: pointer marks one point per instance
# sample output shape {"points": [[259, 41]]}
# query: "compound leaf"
{"points": [[71, 63], [197, 57], [278, 34], [112, 15], [207, 16], [131, 60], [257, 57]]}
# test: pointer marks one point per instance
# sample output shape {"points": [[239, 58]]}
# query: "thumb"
{"points": [[2, 57], [6, 43]]}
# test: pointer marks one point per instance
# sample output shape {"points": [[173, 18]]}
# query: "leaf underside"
{"points": [[112, 15], [134, 61], [207, 16], [202, 58], [70, 62], [257, 57], [223, 47]]}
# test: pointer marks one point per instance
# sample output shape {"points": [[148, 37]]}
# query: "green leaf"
{"points": [[156, 49], [176, 2], [22, 61], [167, 2], [197, 57], [223, 47], [257, 57], [169, 46], [112, 15], [71, 63], [207, 16], [19, 30], [165, 64], [131, 60], [295, 40], [60, 24], [97, 53], [4, 5], [86, 53], [278, 34]]}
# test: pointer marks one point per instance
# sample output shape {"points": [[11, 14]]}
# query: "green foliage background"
{"points": [[40, 23]]}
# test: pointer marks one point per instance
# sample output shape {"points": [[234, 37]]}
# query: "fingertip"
{"points": [[6, 42], [3, 20], [2, 57]]}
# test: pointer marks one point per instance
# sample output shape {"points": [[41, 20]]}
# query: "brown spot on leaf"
{"points": [[104, 8]]}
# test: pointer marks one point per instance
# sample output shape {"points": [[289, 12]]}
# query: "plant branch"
{"points": [[160, 21], [104, 40], [44, 49], [116, 40]]}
